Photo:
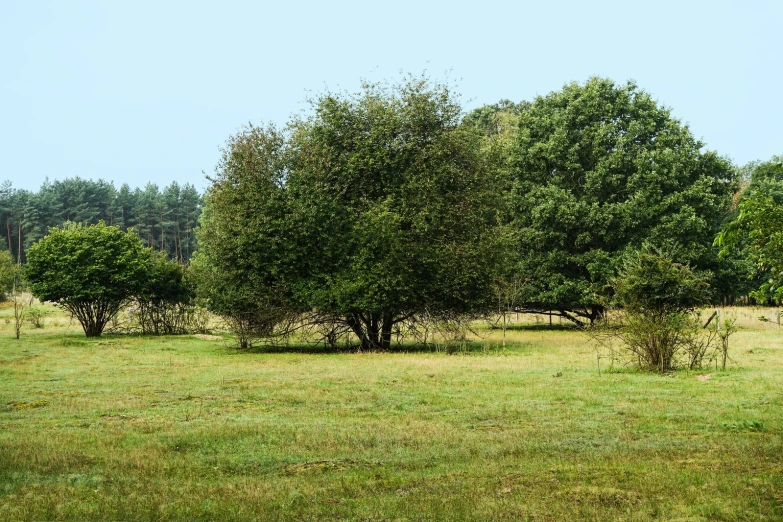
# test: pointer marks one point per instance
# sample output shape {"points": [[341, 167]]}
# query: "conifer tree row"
{"points": [[164, 219]]}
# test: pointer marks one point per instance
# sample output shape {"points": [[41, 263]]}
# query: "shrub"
{"points": [[36, 316], [164, 305], [659, 327]]}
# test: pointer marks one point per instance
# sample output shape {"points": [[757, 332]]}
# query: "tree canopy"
{"points": [[91, 271], [650, 282], [375, 210], [247, 253], [598, 169], [757, 229]]}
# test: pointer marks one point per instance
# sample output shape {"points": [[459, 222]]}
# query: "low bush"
{"points": [[655, 325]]}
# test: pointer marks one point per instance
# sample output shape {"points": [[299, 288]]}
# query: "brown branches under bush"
{"points": [[333, 331], [660, 343]]}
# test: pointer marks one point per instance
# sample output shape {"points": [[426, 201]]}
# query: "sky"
{"points": [[148, 91]]}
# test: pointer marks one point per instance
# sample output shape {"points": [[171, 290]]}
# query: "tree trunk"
{"points": [[386, 332], [355, 324], [187, 235], [162, 234], [374, 330], [92, 331], [597, 312]]}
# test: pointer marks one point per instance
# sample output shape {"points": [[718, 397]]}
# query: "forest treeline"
{"points": [[165, 219]]}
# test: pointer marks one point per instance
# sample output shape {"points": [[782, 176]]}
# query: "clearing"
{"points": [[188, 428]]}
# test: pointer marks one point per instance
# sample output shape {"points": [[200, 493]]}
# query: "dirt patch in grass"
{"points": [[322, 465], [26, 405], [610, 497]]}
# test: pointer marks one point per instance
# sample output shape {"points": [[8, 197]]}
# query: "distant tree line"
{"points": [[165, 220]]}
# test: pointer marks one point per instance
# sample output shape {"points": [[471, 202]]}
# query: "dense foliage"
{"points": [[595, 171], [764, 177], [8, 274], [757, 230], [375, 212], [383, 213], [650, 282], [164, 219], [164, 302], [90, 271], [246, 251]]}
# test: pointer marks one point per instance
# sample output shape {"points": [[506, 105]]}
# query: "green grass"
{"points": [[184, 428]]}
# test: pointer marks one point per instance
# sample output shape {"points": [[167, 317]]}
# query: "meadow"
{"points": [[188, 428]]}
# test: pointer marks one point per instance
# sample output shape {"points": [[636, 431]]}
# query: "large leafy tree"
{"points": [[90, 271], [376, 209], [757, 229], [598, 169], [764, 177], [246, 250]]}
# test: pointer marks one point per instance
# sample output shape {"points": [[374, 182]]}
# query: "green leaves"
{"points": [[651, 282], [89, 270], [598, 169], [403, 198], [246, 247], [377, 207], [165, 282], [758, 230], [8, 272]]}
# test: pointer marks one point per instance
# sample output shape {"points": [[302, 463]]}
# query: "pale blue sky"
{"points": [[138, 91]]}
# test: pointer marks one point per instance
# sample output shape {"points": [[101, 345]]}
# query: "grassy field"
{"points": [[187, 428]]}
